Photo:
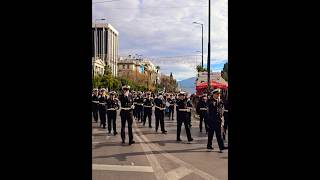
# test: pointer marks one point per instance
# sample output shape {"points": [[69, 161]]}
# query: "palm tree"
{"points": [[200, 68]]}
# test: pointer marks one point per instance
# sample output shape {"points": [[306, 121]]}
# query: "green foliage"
{"points": [[199, 68], [225, 71]]}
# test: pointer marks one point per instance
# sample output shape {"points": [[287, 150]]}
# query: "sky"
{"points": [[162, 30]]}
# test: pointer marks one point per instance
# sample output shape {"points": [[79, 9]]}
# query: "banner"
{"points": [[203, 77]]}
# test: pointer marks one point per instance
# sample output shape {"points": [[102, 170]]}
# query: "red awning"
{"points": [[213, 84]]}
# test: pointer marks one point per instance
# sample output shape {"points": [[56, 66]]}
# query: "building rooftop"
{"points": [[105, 25]]}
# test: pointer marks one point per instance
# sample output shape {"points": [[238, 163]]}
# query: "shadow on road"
{"points": [[123, 156]]}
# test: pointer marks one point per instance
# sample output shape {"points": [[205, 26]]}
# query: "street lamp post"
{"points": [[208, 62], [201, 41]]}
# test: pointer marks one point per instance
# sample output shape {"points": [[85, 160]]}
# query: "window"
{"points": [[128, 66], [123, 66]]}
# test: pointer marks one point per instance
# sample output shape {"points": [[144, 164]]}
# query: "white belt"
{"points": [[95, 101], [126, 108], [148, 106], [102, 103], [111, 109], [160, 108], [225, 110], [203, 109], [139, 104], [187, 110]]}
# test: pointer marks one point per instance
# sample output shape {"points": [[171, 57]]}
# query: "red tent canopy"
{"points": [[213, 84]]}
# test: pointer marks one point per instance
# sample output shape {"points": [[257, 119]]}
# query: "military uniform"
{"points": [[214, 121], [139, 107], [112, 106], [171, 107], [102, 110], [202, 111], [134, 96], [159, 113], [182, 117], [189, 105], [95, 105], [225, 117], [126, 116], [147, 107]]}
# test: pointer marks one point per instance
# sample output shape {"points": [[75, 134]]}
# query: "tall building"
{"points": [[105, 45], [98, 66]]}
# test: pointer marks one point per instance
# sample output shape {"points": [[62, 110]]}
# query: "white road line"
{"points": [[154, 147], [158, 171], [178, 173], [105, 167], [183, 163]]}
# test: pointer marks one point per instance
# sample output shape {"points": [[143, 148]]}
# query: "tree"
{"points": [[224, 71], [107, 70], [168, 83], [200, 68]]}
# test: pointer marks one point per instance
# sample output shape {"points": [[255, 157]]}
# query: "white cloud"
{"points": [[168, 31]]}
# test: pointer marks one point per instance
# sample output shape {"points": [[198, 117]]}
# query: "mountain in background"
{"points": [[188, 85]]}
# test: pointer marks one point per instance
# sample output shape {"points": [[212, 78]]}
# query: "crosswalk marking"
{"points": [[106, 167], [158, 171], [178, 173]]}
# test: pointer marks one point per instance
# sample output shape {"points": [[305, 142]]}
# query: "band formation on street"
{"points": [[212, 108]]}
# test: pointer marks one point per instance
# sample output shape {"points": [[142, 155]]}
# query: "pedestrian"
{"points": [[95, 104], [102, 108], [147, 107], [202, 111], [126, 101], [159, 112], [214, 120], [112, 107], [182, 117]]}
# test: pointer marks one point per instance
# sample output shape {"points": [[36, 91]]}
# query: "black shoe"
{"points": [[220, 151], [179, 140], [209, 147], [190, 140], [226, 147], [132, 142], [150, 126], [200, 130], [123, 142], [104, 128], [164, 132], [115, 133]]}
